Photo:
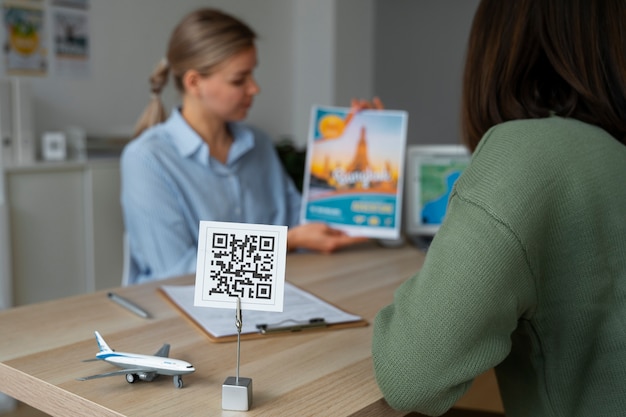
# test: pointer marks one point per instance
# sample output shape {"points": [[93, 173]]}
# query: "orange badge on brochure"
{"points": [[331, 126]]}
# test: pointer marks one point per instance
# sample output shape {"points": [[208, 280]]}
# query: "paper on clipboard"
{"points": [[299, 306]]}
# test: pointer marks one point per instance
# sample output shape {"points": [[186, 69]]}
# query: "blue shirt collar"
{"points": [[189, 143]]}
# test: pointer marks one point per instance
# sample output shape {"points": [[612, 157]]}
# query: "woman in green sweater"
{"points": [[528, 272]]}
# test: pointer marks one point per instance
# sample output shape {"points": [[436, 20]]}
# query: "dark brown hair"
{"points": [[203, 39], [530, 58]]}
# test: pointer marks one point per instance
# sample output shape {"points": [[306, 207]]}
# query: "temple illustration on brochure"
{"points": [[360, 162], [358, 174]]}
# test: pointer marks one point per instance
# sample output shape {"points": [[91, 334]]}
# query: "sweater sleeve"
{"points": [[453, 320]]}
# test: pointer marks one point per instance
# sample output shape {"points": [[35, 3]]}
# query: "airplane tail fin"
{"points": [[102, 344]]}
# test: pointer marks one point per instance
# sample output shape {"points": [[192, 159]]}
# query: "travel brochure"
{"points": [[353, 179]]}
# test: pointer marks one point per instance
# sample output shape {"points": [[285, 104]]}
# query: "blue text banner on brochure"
{"points": [[354, 170]]}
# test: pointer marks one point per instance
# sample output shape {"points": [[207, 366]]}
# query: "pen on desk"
{"points": [[129, 305], [298, 326]]}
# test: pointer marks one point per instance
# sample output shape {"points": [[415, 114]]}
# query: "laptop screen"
{"points": [[432, 170]]}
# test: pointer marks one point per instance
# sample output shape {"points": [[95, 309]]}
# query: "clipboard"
{"points": [[303, 312]]}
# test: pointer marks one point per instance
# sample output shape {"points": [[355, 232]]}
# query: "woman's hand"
{"points": [[319, 237], [358, 104]]}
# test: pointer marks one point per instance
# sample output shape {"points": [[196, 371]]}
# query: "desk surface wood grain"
{"points": [[308, 373]]}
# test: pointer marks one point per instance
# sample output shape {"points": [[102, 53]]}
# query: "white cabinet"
{"points": [[107, 224], [66, 228]]}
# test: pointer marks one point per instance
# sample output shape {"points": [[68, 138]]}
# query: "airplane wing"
{"points": [[118, 372], [164, 352]]}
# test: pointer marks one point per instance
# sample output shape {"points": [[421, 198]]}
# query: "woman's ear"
{"points": [[191, 82]]}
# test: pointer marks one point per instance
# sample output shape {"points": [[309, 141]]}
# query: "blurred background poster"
{"points": [[70, 22], [24, 46]]}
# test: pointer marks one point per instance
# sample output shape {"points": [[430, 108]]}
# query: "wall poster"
{"points": [[24, 49], [71, 41]]}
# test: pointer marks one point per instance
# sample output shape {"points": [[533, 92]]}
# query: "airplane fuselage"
{"points": [[148, 363]]}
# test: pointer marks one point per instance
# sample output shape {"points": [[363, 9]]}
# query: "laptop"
{"points": [[431, 171]]}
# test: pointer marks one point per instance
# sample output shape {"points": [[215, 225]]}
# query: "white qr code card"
{"points": [[241, 260]]}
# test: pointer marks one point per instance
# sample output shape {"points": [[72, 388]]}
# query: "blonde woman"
{"points": [[202, 162]]}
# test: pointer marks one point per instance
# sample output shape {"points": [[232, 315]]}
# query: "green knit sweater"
{"points": [[527, 274]]}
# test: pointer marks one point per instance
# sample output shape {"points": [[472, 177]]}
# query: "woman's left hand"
{"points": [[320, 237]]}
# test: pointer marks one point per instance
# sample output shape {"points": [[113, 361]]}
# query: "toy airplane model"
{"points": [[144, 367]]}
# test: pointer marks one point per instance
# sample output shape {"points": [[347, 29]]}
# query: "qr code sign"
{"points": [[243, 266], [240, 260]]}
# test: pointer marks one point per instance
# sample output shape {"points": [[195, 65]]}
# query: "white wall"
{"points": [[128, 39], [333, 52], [313, 62]]}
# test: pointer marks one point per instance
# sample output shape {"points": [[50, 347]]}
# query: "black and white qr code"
{"points": [[242, 264]]}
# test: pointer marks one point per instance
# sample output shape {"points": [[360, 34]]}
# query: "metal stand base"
{"points": [[237, 395]]}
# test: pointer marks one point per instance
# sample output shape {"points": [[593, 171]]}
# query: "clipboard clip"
{"points": [[295, 325]]}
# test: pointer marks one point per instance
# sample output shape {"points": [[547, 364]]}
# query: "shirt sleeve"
{"points": [[161, 244], [453, 320]]}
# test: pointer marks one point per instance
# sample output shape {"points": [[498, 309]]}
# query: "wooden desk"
{"points": [[311, 373]]}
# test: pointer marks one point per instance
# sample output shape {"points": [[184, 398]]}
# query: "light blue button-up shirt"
{"points": [[170, 183]]}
